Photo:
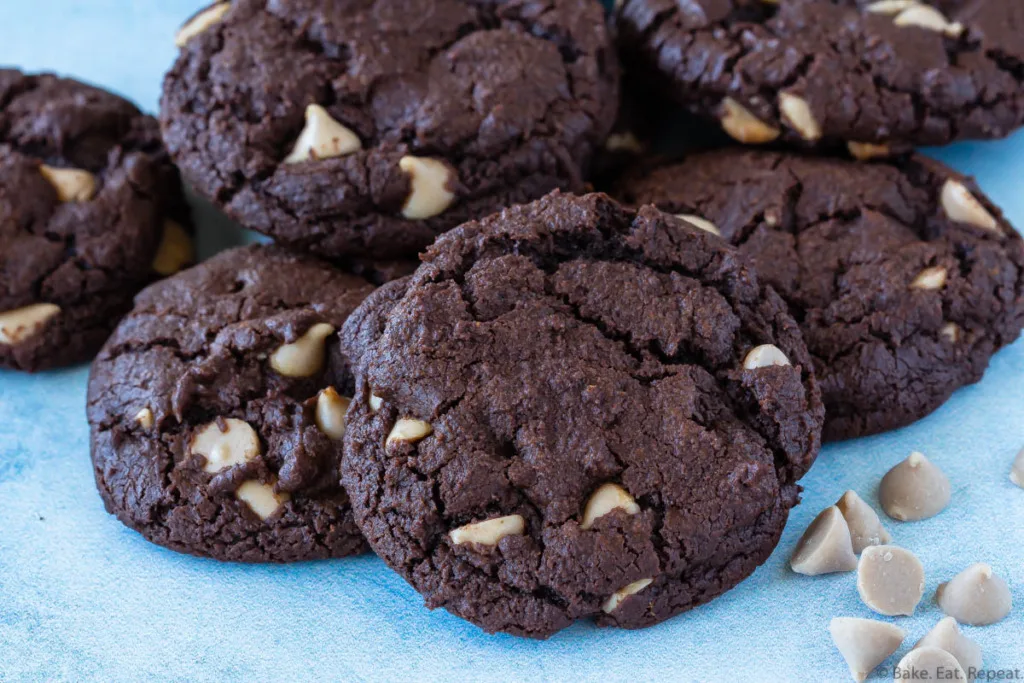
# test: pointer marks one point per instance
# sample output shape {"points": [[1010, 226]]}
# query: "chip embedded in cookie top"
{"points": [[572, 410], [905, 278], [365, 128], [91, 211], [876, 76], [218, 406]]}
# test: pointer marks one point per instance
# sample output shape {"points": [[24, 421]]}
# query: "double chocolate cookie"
{"points": [[875, 75], [904, 277], [365, 129], [573, 410], [91, 210], [218, 406]]}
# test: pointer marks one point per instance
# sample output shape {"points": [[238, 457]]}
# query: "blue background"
{"points": [[82, 598]]}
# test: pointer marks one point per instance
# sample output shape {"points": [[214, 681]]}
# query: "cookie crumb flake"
{"points": [[616, 598], [20, 324], [225, 443], [490, 531], [323, 138], [865, 527], [890, 580], [176, 250], [913, 490], [743, 126], [825, 546], [929, 664], [976, 596], [962, 206], [303, 357], [796, 112], [331, 408], [71, 184], [864, 643], [430, 183], [261, 498], [409, 430], [947, 636], [201, 22], [606, 498], [764, 356]]}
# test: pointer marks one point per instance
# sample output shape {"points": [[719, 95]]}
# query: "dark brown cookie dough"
{"points": [[884, 75], [570, 376], [427, 113], [905, 278], [91, 210], [217, 409]]}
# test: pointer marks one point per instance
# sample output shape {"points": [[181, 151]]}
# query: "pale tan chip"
{"points": [[22, 323], [624, 142], [702, 223], [864, 643], [616, 598], [375, 403], [606, 498], [914, 489], [409, 430], [890, 580], [929, 18], [929, 664], [225, 443], [175, 251], [947, 636], [331, 408], [261, 498], [976, 596], [930, 279], [322, 138], [303, 357], [865, 527], [962, 206], [951, 332], [890, 7], [764, 356], [490, 531], [430, 193], [1017, 470], [201, 22], [144, 418], [864, 151], [71, 184], [797, 113], [743, 126], [825, 546]]}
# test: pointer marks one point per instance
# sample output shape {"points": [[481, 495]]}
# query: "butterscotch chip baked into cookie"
{"points": [[572, 410], [365, 129], [91, 211], [905, 278], [218, 406], [875, 76]]}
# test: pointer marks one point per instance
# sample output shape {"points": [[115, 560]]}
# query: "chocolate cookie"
{"points": [[905, 278], [91, 210], [218, 405], [875, 75], [365, 129], [572, 410]]}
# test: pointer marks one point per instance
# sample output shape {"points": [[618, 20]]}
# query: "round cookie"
{"points": [[906, 279], [877, 76], [365, 129], [91, 210], [572, 410], [217, 409]]}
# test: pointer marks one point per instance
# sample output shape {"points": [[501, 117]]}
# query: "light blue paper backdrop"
{"points": [[83, 599]]}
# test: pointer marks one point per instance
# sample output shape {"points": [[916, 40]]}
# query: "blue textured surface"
{"points": [[82, 598]]}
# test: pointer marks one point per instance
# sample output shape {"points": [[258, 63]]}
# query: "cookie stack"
{"points": [[535, 403]]}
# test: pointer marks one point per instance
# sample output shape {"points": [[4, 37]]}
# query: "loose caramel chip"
{"points": [[825, 547], [1017, 470], [929, 664], [947, 636], [976, 596], [890, 580], [914, 489], [864, 643], [865, 527]]}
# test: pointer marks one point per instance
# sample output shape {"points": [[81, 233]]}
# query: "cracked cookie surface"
{"points": [[86, 193], [214, 431], [904, 277], [562, 415], [510, 99], [891, 74]]}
